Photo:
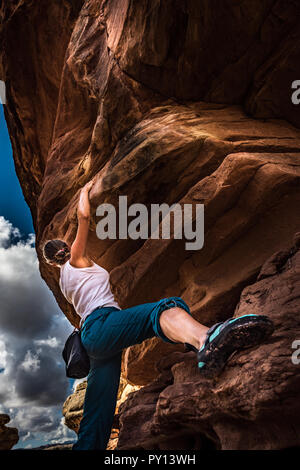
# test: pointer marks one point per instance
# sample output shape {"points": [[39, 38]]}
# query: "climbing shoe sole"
{"points": [[233, 335]]}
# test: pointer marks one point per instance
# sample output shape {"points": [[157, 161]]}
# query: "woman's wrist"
{"points": [[85, 190]]}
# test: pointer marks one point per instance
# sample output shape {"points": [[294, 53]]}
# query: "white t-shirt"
{"points": [[86, 288]]}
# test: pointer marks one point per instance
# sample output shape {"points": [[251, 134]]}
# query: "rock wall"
{"points": [[182, 101], [252, 404], [8, 436]]}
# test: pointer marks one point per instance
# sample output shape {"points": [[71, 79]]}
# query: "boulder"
{"points": [[250, 405], [8, 436], [73, 407]]}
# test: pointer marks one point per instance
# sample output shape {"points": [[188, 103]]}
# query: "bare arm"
{"points": [[79, 258]]}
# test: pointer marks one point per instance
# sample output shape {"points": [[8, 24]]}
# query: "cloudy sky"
{"points": [[33, 330]]}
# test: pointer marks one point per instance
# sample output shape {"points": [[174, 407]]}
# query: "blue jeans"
{"points": [[104, 334]]}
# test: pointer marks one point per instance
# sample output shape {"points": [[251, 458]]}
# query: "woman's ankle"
{"points": [[198, 341]]}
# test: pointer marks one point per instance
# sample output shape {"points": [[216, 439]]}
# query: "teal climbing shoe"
{"points": [[223, 339]]}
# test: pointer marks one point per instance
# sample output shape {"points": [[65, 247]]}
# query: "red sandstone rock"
{"points": [[250, 405], [8, 436], [110, 90], [152, 103]]}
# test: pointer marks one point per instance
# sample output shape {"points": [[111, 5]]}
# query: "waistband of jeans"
{"points": [[90, 315]]}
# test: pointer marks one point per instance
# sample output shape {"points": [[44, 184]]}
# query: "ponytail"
{"points": [[56, 251]]}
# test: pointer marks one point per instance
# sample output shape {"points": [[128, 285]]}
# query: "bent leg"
{"points": [[120, 329], [181, 327], [104, 335], [99, 404]]}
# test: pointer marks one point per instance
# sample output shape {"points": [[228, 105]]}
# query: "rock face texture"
{"points": [[251, 405], [8, 436], [185, 101], [73, 407]]}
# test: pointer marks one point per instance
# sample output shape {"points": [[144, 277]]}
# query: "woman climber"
{"points": [[106, 329]]}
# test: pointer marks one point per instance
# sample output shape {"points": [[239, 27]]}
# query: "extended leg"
{"points": [[99, 404]]}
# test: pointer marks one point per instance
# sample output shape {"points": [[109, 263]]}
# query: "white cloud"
{"points": [[51, 342], [3, 354], [27, 436], [62, 434], [31, 362], [7, 231], [34, 422], [33, 385]]}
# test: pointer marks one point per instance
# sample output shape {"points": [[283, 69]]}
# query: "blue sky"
{"points": [[12, 203], [33, 384]]}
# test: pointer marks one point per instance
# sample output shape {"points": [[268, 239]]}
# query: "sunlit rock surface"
{"points": [[181, 102]]}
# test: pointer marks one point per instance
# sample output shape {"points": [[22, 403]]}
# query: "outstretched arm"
{"points": [[79, 259]]}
